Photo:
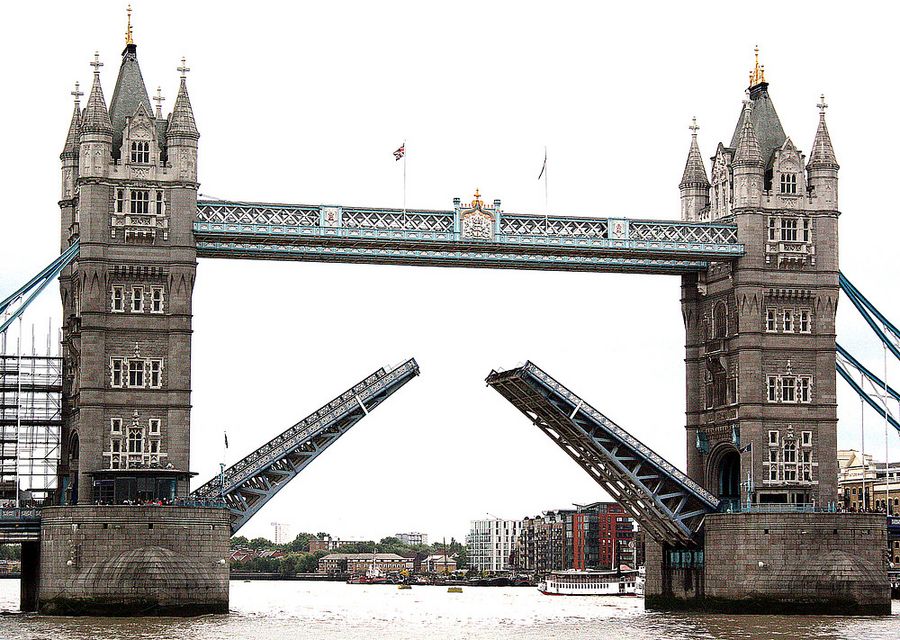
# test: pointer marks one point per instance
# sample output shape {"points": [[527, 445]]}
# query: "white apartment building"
{"points": [[491, 543], [413, 537]]}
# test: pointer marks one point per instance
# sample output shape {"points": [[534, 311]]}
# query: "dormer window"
{"points": [[140, 152], [789, 183]]}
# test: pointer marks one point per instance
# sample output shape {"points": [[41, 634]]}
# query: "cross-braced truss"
{"points": [[253, 481], [435, 238], [666, 503]]}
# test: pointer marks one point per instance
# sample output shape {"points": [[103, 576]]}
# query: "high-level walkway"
{"points": [[331, 233]]}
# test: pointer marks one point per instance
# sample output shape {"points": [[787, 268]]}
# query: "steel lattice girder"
{"points": [[253, 481], [428, 237], [667, 504]]}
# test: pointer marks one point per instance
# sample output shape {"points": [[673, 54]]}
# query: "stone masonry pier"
{"points": [[133, 560]]}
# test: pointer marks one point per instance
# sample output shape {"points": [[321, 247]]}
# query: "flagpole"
{"points": [[546, 199], [404, 183]]}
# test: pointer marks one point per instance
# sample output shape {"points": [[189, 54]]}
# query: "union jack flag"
{"points": [[399, 153]]}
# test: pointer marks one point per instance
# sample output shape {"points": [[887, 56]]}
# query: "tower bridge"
{"points": [[756, 252]]}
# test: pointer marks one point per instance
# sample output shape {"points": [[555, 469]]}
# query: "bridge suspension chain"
{"points": [[15, 304], [879, 393]]}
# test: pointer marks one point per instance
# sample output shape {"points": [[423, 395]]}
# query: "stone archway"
{"points": [[724, 475]]}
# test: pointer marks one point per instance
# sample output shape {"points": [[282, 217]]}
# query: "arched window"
{"points": [[720, 320], [140, 152], [789, 183], [135, 441]]}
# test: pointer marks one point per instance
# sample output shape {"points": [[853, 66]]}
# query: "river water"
{"points": [[331, 610]]}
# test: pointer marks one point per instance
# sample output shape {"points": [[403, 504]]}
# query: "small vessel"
{"points": [[575, 582], [454, 590], [404, 586]]}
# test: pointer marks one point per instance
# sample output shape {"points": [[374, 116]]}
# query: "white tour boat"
{"points": [[574, 582]]}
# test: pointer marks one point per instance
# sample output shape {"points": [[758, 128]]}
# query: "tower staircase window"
{"points": [[118, 299], [137, 299], [789, 183], [140, 202], [789, 230], [140, 152], [135, 373]]}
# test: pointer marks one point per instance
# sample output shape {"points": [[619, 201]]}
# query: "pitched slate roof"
{"points": [[181, 122], [130, 92], [766, 125], [71, 144], [95, 118], [748, 148], [694, 169], [822, 154]]}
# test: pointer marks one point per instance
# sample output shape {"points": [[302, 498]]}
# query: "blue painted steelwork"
{"points": [[33, 287], [867, 310], [667, 504], [437, 238], [846, 364], [253, 481]]}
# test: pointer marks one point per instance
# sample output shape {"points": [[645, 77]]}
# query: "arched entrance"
{"points": [[729, 478], [74, 451]]}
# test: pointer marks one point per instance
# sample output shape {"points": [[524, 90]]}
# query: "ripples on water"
{"points": [[330, 610]]}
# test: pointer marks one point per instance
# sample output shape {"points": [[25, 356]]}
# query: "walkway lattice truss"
{"points": [[253, 481], [326, 233], [666, 503]]}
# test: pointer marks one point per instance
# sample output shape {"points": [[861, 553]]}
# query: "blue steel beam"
{"points": [[250, 483], [667, 504], [439, 238], [866, 309], [33, 287]]}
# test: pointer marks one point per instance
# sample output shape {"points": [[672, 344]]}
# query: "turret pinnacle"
{"points": [[74, 126], [822, 154], [130, 91], [95, 118], [694, 170], [181, 122], [748, 153]]}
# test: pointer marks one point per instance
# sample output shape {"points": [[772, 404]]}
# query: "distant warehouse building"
{"points": [[359, 563], [491, 543]]}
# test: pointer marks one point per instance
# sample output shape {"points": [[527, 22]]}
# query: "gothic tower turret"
{"points": [[822, 170], [127, 299], [694, 185], [760, 356]]}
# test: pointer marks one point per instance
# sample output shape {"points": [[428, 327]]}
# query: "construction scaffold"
{"points": [[30, 423]]}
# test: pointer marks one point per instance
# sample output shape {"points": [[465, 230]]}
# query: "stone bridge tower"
{"points": [[760, 331], [129, 191]]}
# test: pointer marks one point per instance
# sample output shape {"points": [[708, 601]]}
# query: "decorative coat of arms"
{"points": [[477, 223]]}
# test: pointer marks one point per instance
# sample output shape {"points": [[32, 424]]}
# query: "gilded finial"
{"points": [[128, 38], [77, 93], [158, 99], [694, 126], [477, 203], [822, 105], [183, 69], [758, 74]]}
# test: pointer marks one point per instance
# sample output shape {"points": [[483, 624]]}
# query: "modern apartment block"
{"points": [[491, 543]]}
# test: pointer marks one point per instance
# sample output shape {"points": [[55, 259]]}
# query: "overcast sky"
{"points": [[304, 102]]}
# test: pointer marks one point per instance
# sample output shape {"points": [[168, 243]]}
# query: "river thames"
{"points": [[326, 610]]}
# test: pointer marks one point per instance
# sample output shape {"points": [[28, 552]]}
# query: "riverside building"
{"points": [[491, 543]]}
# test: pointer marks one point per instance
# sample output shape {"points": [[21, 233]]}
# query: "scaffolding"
{"points": [[30, 424]]}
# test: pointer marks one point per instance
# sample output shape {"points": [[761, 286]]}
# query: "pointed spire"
{"points": [[74, 125], [95, 118], [822, 154], [758, 73], [694, 169], [181, 122], [748, 153], [130, 92]]}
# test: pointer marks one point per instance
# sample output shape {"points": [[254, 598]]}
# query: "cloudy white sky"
{"points": [[304, 102]]}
